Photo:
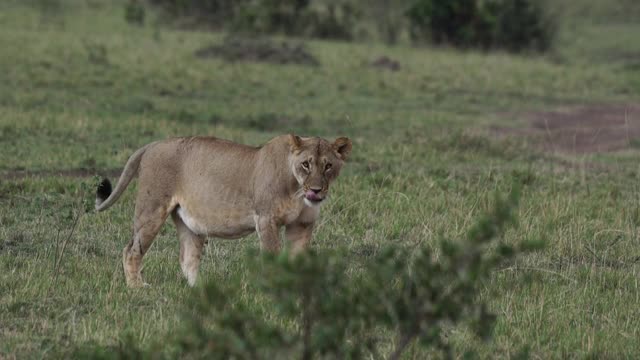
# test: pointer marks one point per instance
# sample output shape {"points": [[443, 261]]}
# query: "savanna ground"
{"points": [[80, 90]]}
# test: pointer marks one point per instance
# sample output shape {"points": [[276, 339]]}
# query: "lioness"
{"points": [[214, 187]]}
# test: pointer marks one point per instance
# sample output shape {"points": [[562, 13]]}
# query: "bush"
{"points": [[525, 25], [321, 306], [514, 25], [213, 13], [333, 20], [329, 19], [134, 12], [388, 18]]}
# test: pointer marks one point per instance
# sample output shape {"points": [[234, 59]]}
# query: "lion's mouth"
{"points": [[313, 197]]}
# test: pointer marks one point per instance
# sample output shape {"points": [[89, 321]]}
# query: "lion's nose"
{"points": [[315, 190]]}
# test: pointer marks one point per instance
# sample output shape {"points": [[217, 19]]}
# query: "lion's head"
{"points": [[315, 163]]}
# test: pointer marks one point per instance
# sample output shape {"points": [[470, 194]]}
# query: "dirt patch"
{"points": [[274, 122], [73, 173], [235, 49], [581, 130], [385, 63]]}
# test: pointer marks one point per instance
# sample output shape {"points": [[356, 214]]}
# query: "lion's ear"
{"points": [[342, 146], [295, 141]]}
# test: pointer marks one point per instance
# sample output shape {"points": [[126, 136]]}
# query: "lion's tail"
{"points": [[104, 195]]}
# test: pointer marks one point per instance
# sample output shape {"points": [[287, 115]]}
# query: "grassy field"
{"points": [[80, 90]]}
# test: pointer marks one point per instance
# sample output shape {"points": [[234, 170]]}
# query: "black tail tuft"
{"points": [[104, 190]]}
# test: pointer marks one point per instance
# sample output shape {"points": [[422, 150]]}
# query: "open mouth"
{"points": [[314, 199]]}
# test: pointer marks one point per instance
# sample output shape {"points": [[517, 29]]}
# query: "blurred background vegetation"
{"points": [[515, 25]]}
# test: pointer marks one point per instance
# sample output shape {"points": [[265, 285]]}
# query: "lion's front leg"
{"points": [[299, 236], [299, 233], [267, 229]]}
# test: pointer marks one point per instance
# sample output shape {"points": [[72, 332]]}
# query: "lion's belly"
{"points": [[222, 223]]}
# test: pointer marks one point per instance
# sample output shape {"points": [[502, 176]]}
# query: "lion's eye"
{"points": [[327, 167], [305, 165]]}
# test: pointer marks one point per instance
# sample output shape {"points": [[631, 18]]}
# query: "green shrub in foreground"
{"points": [[315, 308]]}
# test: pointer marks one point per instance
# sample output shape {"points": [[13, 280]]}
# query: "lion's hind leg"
{"points": [[191, 246], [149, 219]]}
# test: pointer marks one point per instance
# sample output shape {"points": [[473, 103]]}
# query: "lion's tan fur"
{"points": [[214, 187]]}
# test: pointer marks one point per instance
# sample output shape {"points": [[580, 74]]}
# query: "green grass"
{"points": [[81, 89]]}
